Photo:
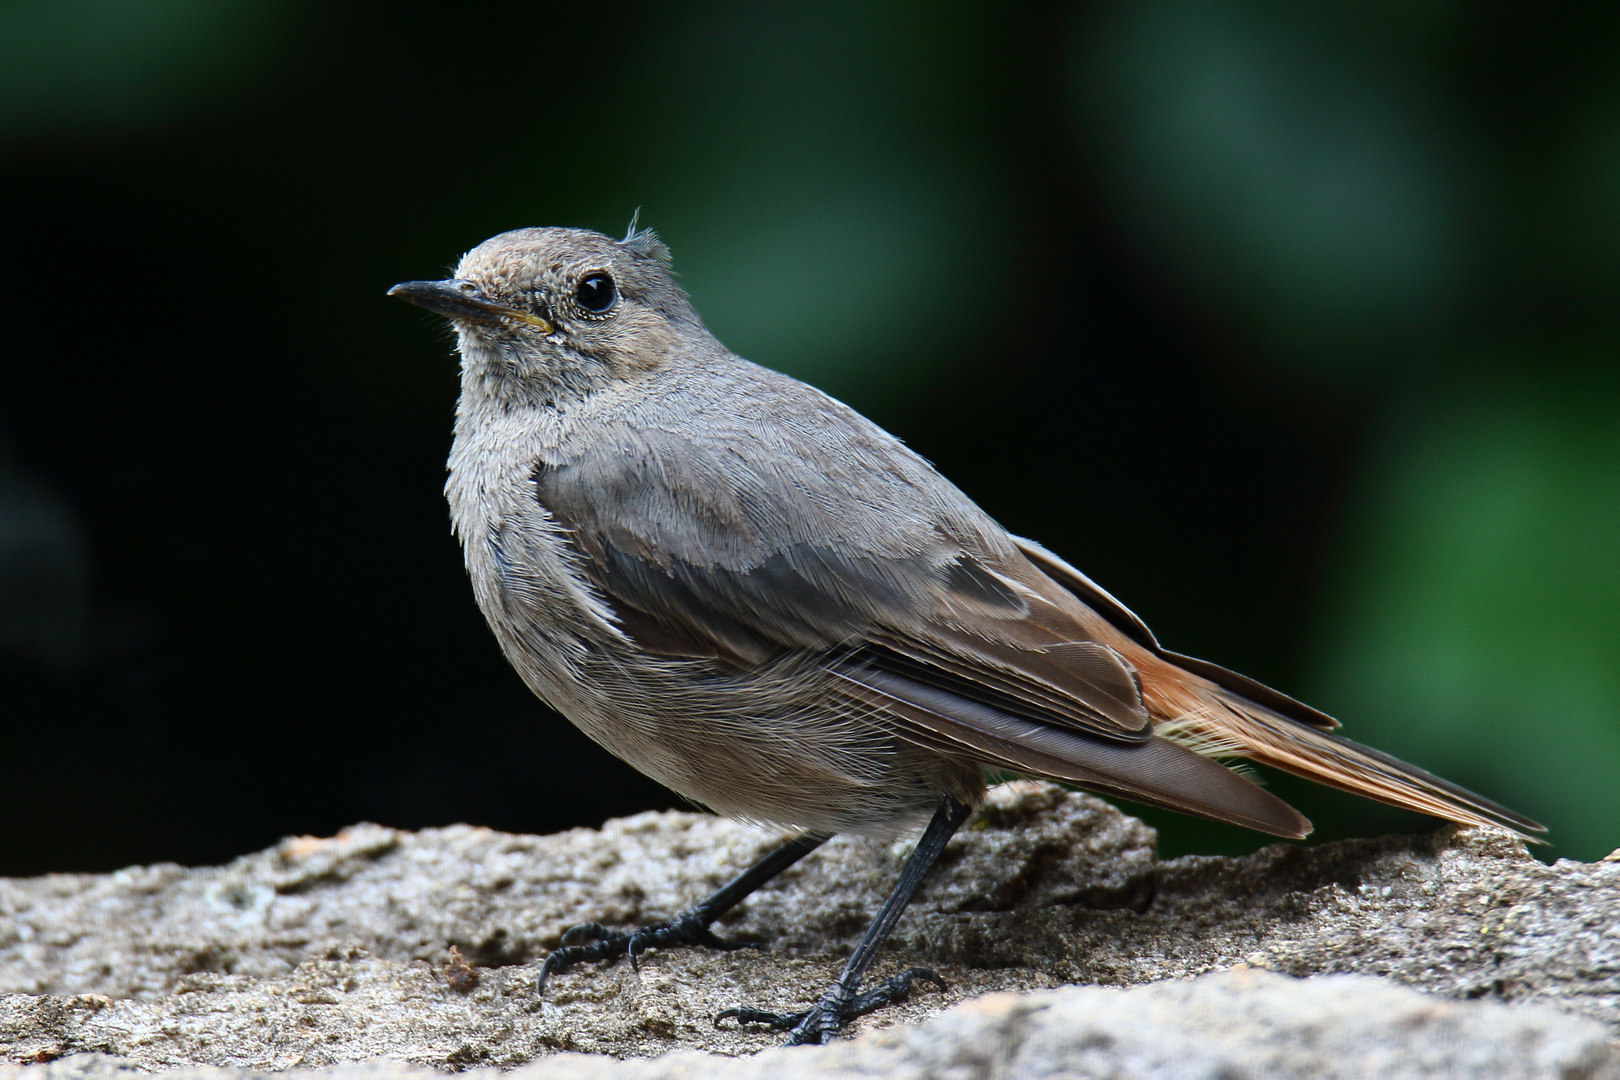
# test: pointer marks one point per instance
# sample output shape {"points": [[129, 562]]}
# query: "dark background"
{"points": [[1294, 325]]}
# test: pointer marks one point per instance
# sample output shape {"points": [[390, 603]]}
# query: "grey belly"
{"points": [[769, 745]]}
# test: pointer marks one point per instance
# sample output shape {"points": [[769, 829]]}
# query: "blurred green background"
{"points": [[1294, 325]]}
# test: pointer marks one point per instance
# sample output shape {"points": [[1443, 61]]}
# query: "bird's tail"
{"points": [[1218, 722]]}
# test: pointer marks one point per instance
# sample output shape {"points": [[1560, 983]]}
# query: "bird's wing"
{"points": [[709, 540], [1126, 622], [704, 549]]}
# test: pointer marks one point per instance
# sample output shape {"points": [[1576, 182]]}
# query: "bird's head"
{"points": [[547, 314]]}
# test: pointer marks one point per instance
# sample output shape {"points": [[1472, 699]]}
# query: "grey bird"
{"points": [[764, 601]]}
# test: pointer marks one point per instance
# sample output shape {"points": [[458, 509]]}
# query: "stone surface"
{"points": [[423, 948], [1225, 1026]]}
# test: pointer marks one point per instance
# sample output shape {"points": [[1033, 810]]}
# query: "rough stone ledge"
{"points": [[1223, 1026], [422, 948]]}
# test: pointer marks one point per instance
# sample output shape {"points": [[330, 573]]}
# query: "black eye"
{"points": [[595, 292]]}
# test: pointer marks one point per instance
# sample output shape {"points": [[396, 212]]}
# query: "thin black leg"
{"points": [[841, 1003], [593, 941]]}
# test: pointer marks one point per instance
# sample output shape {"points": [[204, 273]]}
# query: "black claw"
{"points": [[569, 955], [819, 1027], [822, 1022], [595, 942], [894, 990], [589, 931], [774, 1021]]}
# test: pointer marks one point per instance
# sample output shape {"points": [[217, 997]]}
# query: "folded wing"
{"points": [[941, 627]]}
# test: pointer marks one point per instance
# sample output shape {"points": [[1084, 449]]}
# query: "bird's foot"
{"points": [[822, 1022], [595, 942]]}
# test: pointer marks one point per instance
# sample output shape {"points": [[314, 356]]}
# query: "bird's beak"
{"points": [[464, 300]]}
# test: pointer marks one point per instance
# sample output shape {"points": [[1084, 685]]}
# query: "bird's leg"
{"points": [[593, 941], [842, 1002]]}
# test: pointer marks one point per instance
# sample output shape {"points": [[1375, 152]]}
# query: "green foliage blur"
{"points": [[1400, 220], [1419, 205]]}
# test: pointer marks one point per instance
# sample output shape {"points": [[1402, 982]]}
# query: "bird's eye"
{"points": [[595, 292]]}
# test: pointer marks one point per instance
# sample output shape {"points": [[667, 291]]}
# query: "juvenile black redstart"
{"points": [[764, 601]]}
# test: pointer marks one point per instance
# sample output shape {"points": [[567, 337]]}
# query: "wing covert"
{"points": [[704, 554]]}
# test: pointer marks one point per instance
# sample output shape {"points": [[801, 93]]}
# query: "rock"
{"points": [[423, 948], [1222, 1026]]}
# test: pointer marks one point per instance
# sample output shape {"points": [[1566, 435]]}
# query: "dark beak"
{"points": [[464, 300], [454, 299]]}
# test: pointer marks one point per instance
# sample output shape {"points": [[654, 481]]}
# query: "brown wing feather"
{"points": [[1037, 654], [1154, 771], [1214, 716], [1221, 713], [1126, 622]]}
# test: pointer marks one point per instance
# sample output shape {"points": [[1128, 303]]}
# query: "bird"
{"points": [[764, 601]]}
